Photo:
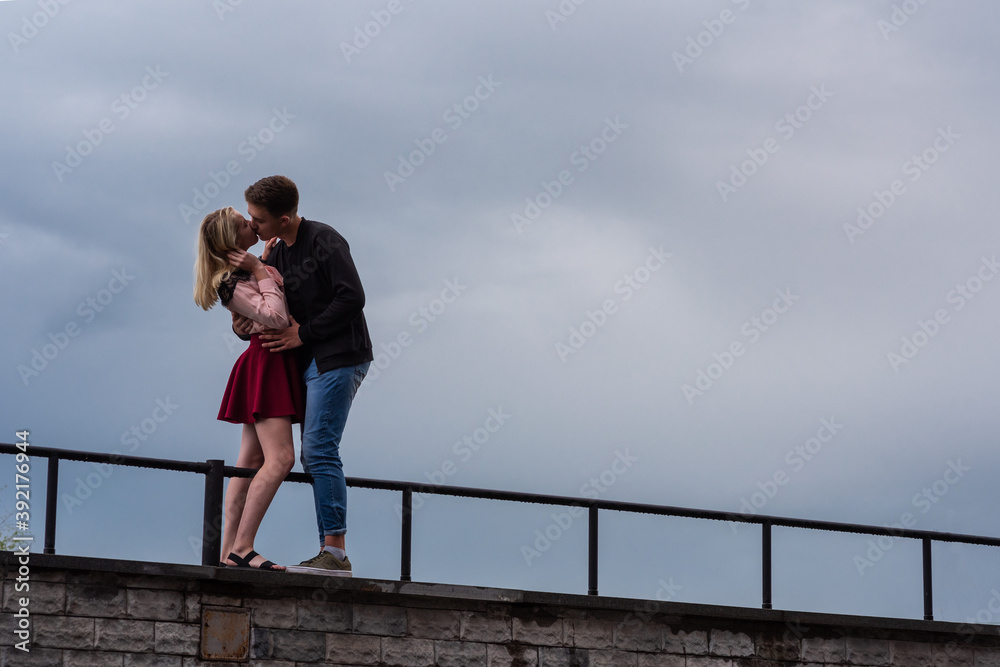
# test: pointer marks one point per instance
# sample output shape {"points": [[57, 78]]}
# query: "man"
{"points": [[325, 300]]}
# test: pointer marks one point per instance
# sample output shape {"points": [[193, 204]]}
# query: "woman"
{"points": [[263, 393]]}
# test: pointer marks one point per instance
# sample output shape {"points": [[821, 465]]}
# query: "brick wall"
{"points": [[123, 614]]}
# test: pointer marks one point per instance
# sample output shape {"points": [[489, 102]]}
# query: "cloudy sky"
{"points": [[725, 255]]}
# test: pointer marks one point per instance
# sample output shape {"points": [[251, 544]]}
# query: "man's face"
{"points": [[265, 225]]}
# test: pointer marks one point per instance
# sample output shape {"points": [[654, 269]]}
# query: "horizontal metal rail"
{"points": [[215, 471]]}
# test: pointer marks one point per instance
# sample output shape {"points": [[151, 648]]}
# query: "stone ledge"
{"points": [[527, 603]]}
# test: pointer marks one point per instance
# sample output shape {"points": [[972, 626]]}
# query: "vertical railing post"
{"points": [[765, 540], [211, 529], [406, 539], [592, 555], [928, 582], [51, 504]]}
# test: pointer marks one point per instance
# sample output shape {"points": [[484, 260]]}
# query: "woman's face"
{"points": [[246, 238]]}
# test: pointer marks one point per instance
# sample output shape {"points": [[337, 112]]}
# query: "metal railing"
{"points": [[216, 471]]}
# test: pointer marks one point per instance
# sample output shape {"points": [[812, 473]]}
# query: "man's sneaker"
{"points": [[323, 563], [308, 563]]}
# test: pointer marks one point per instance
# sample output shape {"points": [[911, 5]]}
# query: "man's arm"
{"points": [[334, 258]]}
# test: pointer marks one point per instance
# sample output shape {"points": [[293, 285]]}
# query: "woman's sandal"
{"points": [[245, 562]]}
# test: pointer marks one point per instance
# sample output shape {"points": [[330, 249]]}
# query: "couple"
{"points": [[301, 305]]}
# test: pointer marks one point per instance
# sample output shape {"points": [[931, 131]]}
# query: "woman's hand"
{"points": [[267, 248], [244, 260]]}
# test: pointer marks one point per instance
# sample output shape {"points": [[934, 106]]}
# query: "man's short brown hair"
{"points": [[275, 194]]}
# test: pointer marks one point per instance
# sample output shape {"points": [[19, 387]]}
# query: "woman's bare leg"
{"points": [[275, 438], [250, 456]]}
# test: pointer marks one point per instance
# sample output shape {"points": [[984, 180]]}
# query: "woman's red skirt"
{"points": [[263, 384]]}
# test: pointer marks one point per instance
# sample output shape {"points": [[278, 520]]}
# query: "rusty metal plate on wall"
{"points": [[225, 633]]}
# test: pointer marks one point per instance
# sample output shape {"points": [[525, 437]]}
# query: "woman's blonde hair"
{"points": [[216, 237]]}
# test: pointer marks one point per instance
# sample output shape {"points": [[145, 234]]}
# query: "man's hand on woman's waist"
{"points": [[279, 340]]}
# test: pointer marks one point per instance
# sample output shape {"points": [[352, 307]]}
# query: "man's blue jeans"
{"points": [[328, 400]]}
